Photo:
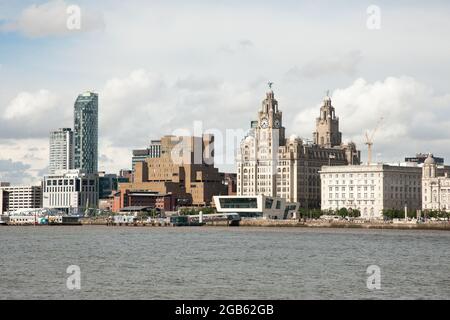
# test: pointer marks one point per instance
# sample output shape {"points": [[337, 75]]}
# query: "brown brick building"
{"points": [[184, 169], [127, 198]]}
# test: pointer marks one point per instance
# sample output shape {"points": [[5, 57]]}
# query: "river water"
{"points": [[222, 263]]}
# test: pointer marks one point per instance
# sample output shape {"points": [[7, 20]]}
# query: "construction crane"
{"points": [[369, 141]]}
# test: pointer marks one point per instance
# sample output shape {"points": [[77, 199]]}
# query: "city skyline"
{"points": [[152, 91]]}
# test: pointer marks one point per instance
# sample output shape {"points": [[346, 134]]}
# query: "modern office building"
{"points": [[61, 150], [23, 197], [71, 191], [107, 183], [259, 206], [184, 169], [86, 132], [372, 188], [153, 151], [270, 164], [435, 186]]}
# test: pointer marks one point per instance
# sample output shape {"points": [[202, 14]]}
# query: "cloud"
{"points": [[53, 18], [19, 165], [345, 64], [34, 115], [410, 111], [14, 172], [30, 105]]}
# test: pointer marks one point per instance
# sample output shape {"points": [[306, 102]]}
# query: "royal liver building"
{"points": [[269, 163]]}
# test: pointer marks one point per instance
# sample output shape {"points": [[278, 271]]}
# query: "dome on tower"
{"points": [[430, 160]]}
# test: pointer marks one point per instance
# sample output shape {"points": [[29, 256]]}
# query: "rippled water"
{"points": [[222, 263]]}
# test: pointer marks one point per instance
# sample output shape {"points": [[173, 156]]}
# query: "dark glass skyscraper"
{"points": [[86, 132]]}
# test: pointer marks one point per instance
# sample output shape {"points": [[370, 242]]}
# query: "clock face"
{"points": [[277, 123], [264, 123]]}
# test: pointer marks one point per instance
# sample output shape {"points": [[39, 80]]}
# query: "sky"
{"points": [[164, 67]]}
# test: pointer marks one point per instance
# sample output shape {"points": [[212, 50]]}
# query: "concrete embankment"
{"points": [[300, 224], [346, 224]]}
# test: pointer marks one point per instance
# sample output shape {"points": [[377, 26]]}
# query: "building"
{"points": [[86, 132], [23, 197], [128, 198], [61, 150], [372, 188], [421, 157], [126, 174], [268, 163], [259, 206], [230, 180], [435, 186], [72, 191], [153, 151], [107, 183], [4, 201], [184, 169]]}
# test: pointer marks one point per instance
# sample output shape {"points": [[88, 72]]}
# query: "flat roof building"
{"points": [[23, 197], [371, 189], [72, 191], [184, 169], [259, 206]]}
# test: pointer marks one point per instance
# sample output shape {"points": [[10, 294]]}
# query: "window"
{"points": [[278, 204], [269, 203]]}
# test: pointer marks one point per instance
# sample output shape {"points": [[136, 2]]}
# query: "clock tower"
{"points": [[270, 125]]}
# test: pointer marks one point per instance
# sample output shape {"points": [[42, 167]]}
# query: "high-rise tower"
{"points": [[86, 132], [61, 150]]}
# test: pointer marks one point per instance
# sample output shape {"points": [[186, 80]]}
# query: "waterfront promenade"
{"points": [[299, 224]]}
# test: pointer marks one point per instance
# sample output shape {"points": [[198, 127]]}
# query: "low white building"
{"points": [[435, 186], [22, 197], [259, 206], [371, 189], [71, 191]]}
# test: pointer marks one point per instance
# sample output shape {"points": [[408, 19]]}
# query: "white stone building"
{"points": [[270, 164], [71, 191], [435, 186], [371, 188]]}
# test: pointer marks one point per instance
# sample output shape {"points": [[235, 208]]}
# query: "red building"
{"points": [[136, 198]]}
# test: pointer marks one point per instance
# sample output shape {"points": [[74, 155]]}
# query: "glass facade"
{"points": [[238, 203], [86, 132]]}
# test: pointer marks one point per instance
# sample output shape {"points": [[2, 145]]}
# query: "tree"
{"points": [[343, 212]]}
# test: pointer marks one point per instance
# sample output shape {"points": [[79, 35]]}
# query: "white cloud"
{"points": [[51, 19], [23, 161], [410, 110], [29, 105]]}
